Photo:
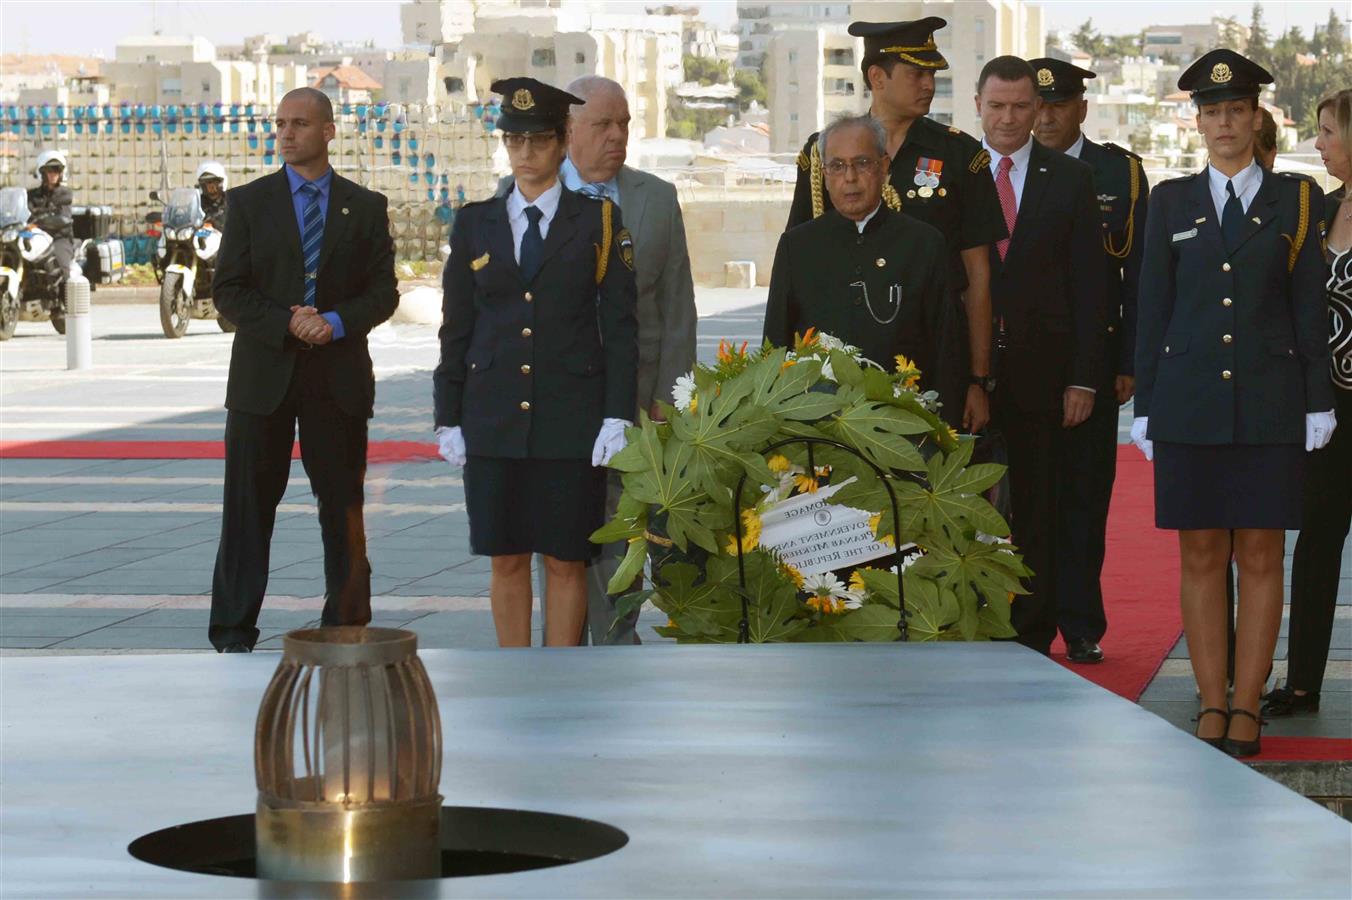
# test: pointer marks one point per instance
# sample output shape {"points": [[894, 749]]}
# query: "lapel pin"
{"points": [[1257, 221], [1199, 221], [344, 210]]}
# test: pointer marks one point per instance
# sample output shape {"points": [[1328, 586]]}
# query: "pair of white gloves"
{"points": [[609, 441], [1318, 432]]}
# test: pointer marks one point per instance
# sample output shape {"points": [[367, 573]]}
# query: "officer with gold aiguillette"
{"points": [[939, 175], [1086, 482], [539, 367]]}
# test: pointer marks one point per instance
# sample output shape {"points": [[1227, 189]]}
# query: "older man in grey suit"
{"points": [[598, 138]]}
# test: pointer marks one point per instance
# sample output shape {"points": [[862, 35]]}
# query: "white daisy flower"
{"points": [[826, 586], [683, 391]]}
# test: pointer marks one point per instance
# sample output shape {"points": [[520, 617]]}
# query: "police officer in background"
{"points": [[1085, 484], [1232, 366], [939, 175], [49, 207], [539, 367], [211, 185]]}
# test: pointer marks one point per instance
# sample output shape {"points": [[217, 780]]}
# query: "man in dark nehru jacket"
{"points": [[861, 272], [1085, 484], [939, 175]]}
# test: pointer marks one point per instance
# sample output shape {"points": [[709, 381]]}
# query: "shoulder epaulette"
{"points": [[1297, 176], [802, 160], [982, 160], [1177, 179], [1117, 148], [953, 129], [467, 204]]}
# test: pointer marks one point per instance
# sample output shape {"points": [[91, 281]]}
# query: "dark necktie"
{"points": [[311, 239], [532, 244], [1232, 219]]}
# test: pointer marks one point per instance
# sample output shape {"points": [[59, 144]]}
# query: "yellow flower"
{"points": [[751, 531], [909, 369], [792, 574], [874, 522], [694, 402], [825, 605], [671, 623], [857, 582], [808, 484], [952, 434], [779, 463]]}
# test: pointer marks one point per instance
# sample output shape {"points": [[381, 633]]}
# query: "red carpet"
{"points": [[1140, 586], [377, 451], [1298, 749]]}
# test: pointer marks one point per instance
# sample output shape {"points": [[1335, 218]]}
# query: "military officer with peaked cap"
{"points": [[538, 369], [1086, 483], [939, 175], [1232, 385]]}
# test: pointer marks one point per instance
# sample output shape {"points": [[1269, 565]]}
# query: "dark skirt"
{"points": [[547, 506], [1199, 486]]}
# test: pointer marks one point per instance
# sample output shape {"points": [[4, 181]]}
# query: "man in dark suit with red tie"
{"points": [[305, 271], [1048, 285]]}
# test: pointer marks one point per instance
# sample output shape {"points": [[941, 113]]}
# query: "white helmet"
{"points": [[46, 158], [211, 169]]}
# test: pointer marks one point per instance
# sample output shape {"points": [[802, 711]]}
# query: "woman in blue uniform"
{"points": [[1232, 385], [539, 367]]}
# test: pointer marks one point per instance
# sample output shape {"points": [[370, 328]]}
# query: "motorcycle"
{"points": [[186, 261], [31, 280]]}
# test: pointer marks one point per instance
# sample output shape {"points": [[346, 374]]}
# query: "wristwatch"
{"points": [[985, 382]]}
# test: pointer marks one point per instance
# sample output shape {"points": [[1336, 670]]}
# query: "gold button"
{"points": [[1225, 267], [1166, 348], [1225, 338], [1111, 329], [1225, 302], [525, 404], [529, 296], [474, 365], [525, 332], [1226, 374], [525, 370]]}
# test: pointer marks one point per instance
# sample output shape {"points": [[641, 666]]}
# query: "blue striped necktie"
{"points": [[311, 239], [598, 189]]}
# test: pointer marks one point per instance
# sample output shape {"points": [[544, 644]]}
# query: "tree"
{"points": [[705, 70], [750, 87], [1087, 38], [1258, 48]]}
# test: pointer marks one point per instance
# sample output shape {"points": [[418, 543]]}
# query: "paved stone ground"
{"points": [[105, 556]]}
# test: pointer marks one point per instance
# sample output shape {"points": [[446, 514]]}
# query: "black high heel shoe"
{"points": [[1213, 710], [1284, 701], [1241, 749]]}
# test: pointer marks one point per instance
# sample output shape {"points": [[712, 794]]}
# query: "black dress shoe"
{"points": [[1240, 749], [236, 647], [1215, 711], [1083, 650], [1284, 701]]}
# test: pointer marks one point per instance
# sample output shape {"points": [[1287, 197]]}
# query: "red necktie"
{"points": [[1004, 188]]}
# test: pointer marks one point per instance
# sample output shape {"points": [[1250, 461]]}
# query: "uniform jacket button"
{"points": [[529, 296], [1226, 302], [1225, 267], [1225, 373], [525, 404], [525, 332], [1225, 338], [525, 370]]}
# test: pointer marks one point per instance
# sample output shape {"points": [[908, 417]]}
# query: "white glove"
{"points": [[451, 445], [1138, 431], [1319, 429], [609, 440]]}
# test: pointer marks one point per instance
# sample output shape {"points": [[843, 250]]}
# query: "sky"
{"points": [[91, 27]]}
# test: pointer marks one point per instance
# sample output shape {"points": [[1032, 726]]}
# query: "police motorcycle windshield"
{"points": [[184, 209], [13, 207]]}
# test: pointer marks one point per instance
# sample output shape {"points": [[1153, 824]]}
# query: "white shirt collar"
{"points": [[572, 179], [862, 223], [1076, 148], [1246, 183], [1020, 156], [547, 202]]}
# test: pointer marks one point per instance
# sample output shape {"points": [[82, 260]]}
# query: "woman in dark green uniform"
{"points": [[1232, 383], [539, 367]]}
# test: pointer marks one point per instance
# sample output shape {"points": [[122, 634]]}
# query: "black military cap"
{"points": [[529, 105], [1223, 75], [910, 42], [1058, 80]]}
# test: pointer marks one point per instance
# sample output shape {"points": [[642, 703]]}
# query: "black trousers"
{"points": [[1316, 565], [1084, 487], [257, 466], [1035, 442]]}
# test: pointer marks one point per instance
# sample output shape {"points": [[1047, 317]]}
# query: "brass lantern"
{"points": [[347, 754]]}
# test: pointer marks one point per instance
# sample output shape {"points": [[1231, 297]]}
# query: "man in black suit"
{"points": [[305, 271], [1086, 486], [1047, 292]]}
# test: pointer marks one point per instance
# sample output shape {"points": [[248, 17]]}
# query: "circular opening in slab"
{"points": [[474, 841]]}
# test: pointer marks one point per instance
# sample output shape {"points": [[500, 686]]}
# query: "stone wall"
{"points": [[732, 228]]}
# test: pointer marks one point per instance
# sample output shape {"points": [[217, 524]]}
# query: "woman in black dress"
{"points": [[539, 367], [1317, 562], [1232, 385]]}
